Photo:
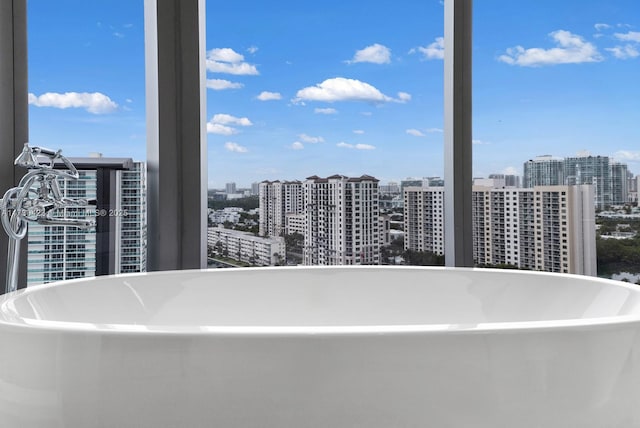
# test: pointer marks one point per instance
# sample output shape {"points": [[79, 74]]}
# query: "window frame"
{"points": [[176, 127]]}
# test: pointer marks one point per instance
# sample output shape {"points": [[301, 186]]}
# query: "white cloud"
{"points": [[510, 170], [624, 52], [221, 84], [325, 111], [268, 171], [216, 128], [600, 27], [434, 50], [419, 133], [415, 133], [219, 124], [631, 49], [309, 139], [376, 53], [252, 49], [235, 147], [268, 96], [226, 119], [226, 60], [358, 131], [342, 89], [627, 155], [365, 147], [631, 36], [403, 97], [225, 55], [572, 49], [297, 145], [95, 102], [344, 145]]}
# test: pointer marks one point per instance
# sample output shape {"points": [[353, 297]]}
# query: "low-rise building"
{"points": [[229, 214], [246, 247]]}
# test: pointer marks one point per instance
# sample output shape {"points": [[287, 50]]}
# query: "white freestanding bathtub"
{"points": [[322, 347]]}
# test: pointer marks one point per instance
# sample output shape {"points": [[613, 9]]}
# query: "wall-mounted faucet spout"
{"points": [[37, 198]]}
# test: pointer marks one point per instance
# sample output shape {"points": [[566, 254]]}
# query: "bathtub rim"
{"points": [[374, 330]]}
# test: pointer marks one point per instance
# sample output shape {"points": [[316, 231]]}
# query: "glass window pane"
{"points": [[347, 93], [555, 125], [87, 98]]}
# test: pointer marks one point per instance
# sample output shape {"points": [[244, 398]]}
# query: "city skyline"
{"points": [[339, 89]]}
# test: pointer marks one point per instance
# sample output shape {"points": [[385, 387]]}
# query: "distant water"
{"points": [[631, 277]]}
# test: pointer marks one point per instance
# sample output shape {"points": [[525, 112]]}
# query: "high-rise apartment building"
{"points": [[58, 252], [295, 223], [342, 224], [548, 228], [412, 182], [632, 184], [544, 171], [505, 180], [130, 219], [392, 188], [595, 170], [230, 188], [255, 189], [619, 183], [608, 178], [424, 219], [421, 182], [278, 199], [61, 252]]}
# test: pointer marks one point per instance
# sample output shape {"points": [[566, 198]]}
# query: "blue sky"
{"points": [[304, 88]]}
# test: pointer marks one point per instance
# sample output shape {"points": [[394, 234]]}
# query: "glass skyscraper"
{"points": [[60, 252]]}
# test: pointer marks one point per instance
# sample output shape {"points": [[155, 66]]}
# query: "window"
{"points": [[610, 49], [544, 61], [297, 90], [87, 95]]}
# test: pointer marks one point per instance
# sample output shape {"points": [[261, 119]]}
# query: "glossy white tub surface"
{"points": [[322, 347]]}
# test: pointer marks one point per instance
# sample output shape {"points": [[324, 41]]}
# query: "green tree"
{"points": [[423, 258], [618, 255], [248, 203], [279, 259]]}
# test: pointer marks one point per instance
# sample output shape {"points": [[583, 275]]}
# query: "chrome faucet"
{"points": [[36, 198]]}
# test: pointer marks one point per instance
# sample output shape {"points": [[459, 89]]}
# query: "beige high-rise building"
{"points": [[342, 221], [278, 199], [424, 219], [548, 228]]}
